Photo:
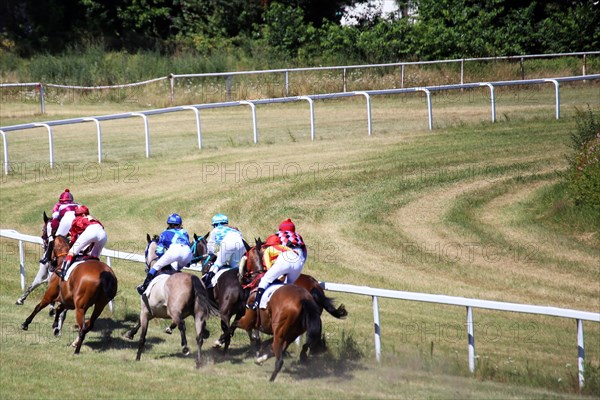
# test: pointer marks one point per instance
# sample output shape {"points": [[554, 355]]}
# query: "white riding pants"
{"points": [[92, 234], [288, 263], [231, 251], [176, 253]]}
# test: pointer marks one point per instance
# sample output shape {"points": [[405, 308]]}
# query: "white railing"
{"points": [[287, 71], [375, 293], [310, 99]]}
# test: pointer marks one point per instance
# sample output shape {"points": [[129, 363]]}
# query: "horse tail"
{"points": [[108, 281], [201, 301], [311, 320], [327, 304]]}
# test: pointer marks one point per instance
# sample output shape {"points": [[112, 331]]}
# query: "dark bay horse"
{"points": [[43, 274], [291, 311], [254, 268], [92, 283], [227, 294], [173, 297]]}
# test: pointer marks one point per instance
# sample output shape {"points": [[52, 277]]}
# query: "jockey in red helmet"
{"points": [[285, 254], [63, 214], [85, 230]]}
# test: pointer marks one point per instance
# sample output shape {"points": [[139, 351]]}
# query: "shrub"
{"points": [[584, 171]]}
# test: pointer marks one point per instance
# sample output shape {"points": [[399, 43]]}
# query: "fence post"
{"points": [[557, 95], [580, 353], [429, 108], [287, 83], [369, 116], [344, 80], [522, 69], [584, 67], [312, 116], [5, 145], [22, 264], [198, 127], [254, 126], [172, 82], [50, 142], [42, 99], [99, 135], [492, 99], [146, 131], [402, 77], [462, 71], [377, 329], [471, 339]]}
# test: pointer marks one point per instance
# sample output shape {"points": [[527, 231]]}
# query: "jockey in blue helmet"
{"points": [[173, 246]]}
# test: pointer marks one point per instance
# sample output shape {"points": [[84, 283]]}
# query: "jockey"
{"points": [[85, 230], [63, 214], [173, 246], [281, 257], [230, 246]]}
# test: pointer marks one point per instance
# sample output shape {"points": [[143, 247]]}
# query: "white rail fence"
{"points": [[285, 72], [375, 294], [310, 99]]}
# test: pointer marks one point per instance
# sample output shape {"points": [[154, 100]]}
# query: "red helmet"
{"points": [[287, 225], [81, 210], [272, 240], [66, 196]]}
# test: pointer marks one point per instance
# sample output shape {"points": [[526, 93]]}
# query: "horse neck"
{"points": [[61, 246]]}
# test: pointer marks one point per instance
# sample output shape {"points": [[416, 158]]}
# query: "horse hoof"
{"points": [[260, 360], [24, 327], [74, 344], [51, 312], [218, 344], [168, 330], [20, 302], [56, 332], [128, 335], [186, 351]]}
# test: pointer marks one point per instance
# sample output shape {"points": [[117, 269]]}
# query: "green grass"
{"points": [[468, 209]]}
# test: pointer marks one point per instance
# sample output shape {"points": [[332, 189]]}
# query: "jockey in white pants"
{"points": [[85, 231], [173, 246], [227, 243], [285, 254]]}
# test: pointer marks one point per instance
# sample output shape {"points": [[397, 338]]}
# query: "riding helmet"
{"points": [[219, 219], [174, 219], [287, 225], [82, 210], [65, 197]]}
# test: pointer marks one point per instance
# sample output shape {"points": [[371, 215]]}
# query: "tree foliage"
{"points": [[298, 30]]}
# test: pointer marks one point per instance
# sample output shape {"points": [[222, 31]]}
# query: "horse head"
{"points": [[150, 252], [60, 249], [199, 250]]}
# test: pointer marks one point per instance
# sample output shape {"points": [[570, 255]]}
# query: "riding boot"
{"points": [[141, 288], [65, 266], [207, 278], [256, 303], [46, 258]]}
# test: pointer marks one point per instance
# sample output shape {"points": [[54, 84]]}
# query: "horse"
{"points": [[291, 311], [92, 283], [175, 297], [254, 268], [227, 295], [43, 274]]}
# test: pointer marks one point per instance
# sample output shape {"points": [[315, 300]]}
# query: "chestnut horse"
{"points": [[290, 312], [227, 294], [254, 268], [92, 283], [174, 297]]}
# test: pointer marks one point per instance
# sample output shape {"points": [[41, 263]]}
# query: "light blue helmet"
{"points": [[219, 219], [174, 219]]}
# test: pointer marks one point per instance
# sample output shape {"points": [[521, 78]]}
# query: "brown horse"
{"points": [[291, 311], [176, 297], [254, 268], [92, 283], [227, 294]]}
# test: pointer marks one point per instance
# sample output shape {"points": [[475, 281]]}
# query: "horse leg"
{"points": [[144, 324], [49, 296], [98, 308], [131, 333], [279, 347], [169, 329], [80, 317], [185, 350], [41, 277], [59, 319], [200, 324]]}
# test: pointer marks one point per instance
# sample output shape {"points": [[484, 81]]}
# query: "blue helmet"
{"points": [[219, 219], [174, 219]]}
